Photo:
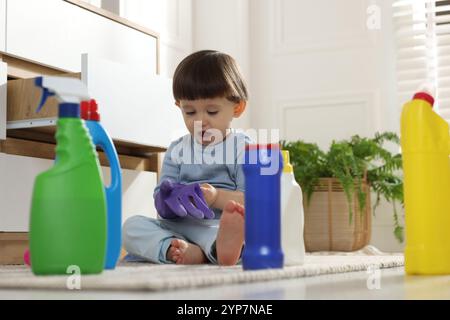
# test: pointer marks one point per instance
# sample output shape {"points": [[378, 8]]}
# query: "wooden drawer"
{"points": [[12, 248], [22, 100]]}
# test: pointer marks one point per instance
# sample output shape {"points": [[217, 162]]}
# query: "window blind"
{"points": [[422, 33]]}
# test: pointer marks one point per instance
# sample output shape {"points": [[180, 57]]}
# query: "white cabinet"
{"points": [[16, 185], [56, 33], [17, 176], [2, 25]]}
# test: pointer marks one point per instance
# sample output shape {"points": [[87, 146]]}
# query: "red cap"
{"points": [[270, 146], [425, 97], [89, 110]]}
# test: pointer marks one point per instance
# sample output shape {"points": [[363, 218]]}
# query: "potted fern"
{"points": [[339, 182]]}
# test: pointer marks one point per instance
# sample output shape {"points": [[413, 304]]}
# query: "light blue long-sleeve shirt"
{"points": [[187, 161]]}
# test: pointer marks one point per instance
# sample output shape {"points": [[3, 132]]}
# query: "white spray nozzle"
{"points": [[65, 89]]}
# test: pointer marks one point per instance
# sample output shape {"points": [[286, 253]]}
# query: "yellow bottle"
{"points": [[425, 145]]}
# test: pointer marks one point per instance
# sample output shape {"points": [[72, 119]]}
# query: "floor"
{"points": [[378, 284]]}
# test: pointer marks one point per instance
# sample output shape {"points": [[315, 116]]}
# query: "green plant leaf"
{"points": [[351, 161], [398, 232]]}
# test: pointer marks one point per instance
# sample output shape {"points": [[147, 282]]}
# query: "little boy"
{"points": [[210, 91]]}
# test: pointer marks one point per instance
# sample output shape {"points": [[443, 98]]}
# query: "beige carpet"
{"points": [[150, 277]]}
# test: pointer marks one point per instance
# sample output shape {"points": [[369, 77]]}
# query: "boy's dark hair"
{"points": [[209, 74]]}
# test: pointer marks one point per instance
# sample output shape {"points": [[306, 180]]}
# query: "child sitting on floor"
{"points": [[200, 171]]}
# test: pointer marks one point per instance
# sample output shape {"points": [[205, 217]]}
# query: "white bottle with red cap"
{"points": [[292, 215]]}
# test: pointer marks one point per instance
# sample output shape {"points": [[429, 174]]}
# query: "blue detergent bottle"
{"points": [[262, 169], [101, 138]]}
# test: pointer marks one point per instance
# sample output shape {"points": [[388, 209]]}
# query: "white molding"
{"points": [[367, 100], [362, 38]]}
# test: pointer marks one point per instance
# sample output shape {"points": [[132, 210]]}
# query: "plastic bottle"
{"points": [[101, 138], [292, 215], [425, 145], [262, 170], [68, 209]]}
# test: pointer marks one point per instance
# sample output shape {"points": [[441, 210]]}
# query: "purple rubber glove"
{"points": [[189, 199], [176, 200], [160, 200]]}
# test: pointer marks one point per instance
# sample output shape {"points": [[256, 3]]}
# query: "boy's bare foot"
{"points": [[230, 237], [182, 252]]}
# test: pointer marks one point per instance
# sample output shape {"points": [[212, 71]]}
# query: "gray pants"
{"points": [[149, 239]]}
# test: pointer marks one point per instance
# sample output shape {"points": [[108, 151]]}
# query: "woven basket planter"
{"points": [[327, 226]]}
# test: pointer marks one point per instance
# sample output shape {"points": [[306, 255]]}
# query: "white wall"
{"points": [[223, 25], [313, 65]]}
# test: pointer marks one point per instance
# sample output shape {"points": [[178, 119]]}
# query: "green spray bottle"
{"points": [[68, 210]]}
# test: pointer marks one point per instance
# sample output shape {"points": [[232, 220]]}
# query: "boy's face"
{"points": [[208, 119]]}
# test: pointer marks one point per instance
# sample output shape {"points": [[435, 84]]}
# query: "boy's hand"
{"points": [[180, 200], [210, 193]]}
